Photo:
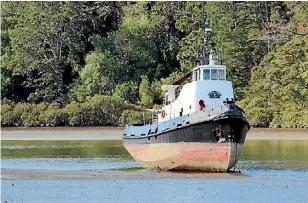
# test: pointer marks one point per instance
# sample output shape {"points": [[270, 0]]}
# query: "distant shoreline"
{"points": [[277, 134], [115, 133], [61, 128]]}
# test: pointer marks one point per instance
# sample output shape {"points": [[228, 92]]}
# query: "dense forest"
{"points": [[103, 63]]}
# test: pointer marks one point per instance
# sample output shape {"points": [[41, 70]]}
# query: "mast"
{"points": [[204, 58], [207, 33]]}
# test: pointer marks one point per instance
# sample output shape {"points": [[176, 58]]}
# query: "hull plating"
{"points": [[213, 145], [186, 155]]}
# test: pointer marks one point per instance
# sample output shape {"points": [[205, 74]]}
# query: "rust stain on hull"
{"points": [[191, 156]]}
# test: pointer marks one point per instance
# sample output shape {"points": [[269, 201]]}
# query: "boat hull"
{"points": [[190, 142], [192, 156]]}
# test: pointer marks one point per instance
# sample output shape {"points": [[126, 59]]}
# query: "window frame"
{"points": [[203, 72], [219, 73], [212, 70]]}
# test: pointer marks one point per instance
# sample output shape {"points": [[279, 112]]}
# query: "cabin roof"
{"points": [[209, 66]]}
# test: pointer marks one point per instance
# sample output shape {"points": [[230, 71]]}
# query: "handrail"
{"points": [[155, 116]]}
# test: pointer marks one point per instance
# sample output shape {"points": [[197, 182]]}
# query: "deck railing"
{"points": [[154, 117]]}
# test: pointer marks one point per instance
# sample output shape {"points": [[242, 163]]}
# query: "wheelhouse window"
{"points": [[214, 74], [221, 74], [206, 74]]}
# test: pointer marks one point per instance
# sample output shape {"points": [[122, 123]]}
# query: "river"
{"points": [[102, 171]]}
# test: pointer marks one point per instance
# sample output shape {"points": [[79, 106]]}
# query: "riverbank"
{"points": [[112, 133]]}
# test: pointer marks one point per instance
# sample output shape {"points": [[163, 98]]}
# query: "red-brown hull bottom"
{"points": [[186, 155]]}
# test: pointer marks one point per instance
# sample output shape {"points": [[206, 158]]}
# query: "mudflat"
{"points": [[106, 133], [138, 174], [57, 184], [75, 171]]}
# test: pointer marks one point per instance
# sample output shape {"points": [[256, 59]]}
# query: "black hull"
{"points": [[232, 129]]}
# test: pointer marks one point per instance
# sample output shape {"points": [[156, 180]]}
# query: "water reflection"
{"points": [[278, 151], [64, 149]]}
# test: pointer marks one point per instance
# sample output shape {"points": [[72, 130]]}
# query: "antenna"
{"points": [[207, 33], [204, 37], [202, 58], [197, 55]]}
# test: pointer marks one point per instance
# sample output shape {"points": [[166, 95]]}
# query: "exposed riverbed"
{"points": [[102, 171]]}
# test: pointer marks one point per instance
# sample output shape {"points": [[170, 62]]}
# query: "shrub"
{"points": [[157, 106], [32, 118], [54, 116], [20, 112], [97, 111], [135, 117], [303, 122], [7, 116], [73, 111], [258, 115]]}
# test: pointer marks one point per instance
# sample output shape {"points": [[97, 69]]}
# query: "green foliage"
{"points": [[135, 117], [145, 93], [172, 78], [35, 49], [97, 111], [189, 20], [53, 116], [45, 41], [278, 93], [7, 117], [157, 106], [32, 118], [156, 86], [127, 91], [75, 113], [91, 81], [58, 55], [237, 35], [21, 112]]}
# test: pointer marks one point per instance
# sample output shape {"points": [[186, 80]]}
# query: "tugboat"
{"points": [[199, 128]]}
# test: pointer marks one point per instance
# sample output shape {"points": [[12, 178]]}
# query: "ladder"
{"points": [[154, 117]]}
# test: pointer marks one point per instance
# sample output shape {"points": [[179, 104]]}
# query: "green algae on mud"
{"points": [[63, 148], [131, 169]]}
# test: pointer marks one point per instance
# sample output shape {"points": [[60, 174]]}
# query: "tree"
{"points": [[36, 49], [46, 42], [127, 91], [279, 87], [145, 93], [91, 80]]}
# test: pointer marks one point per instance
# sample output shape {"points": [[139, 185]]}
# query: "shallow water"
{"points": [[98, 171], [67, 149], [253, 150]]}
